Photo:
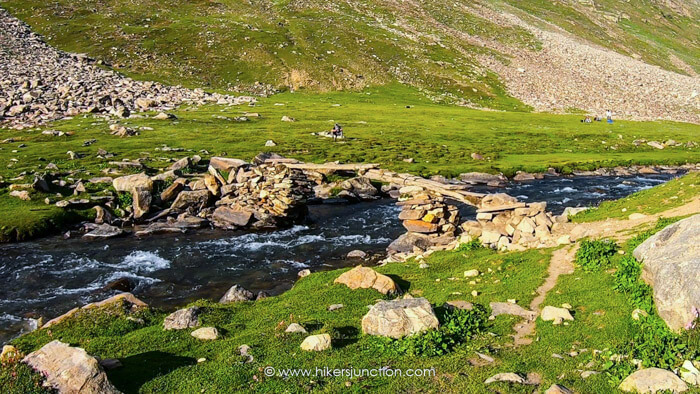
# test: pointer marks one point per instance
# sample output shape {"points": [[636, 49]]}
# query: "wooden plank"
{"points": [[372, 171], [331, 166], [498, 208]]}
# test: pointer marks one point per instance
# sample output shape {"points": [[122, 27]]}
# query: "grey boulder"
{"points": [[69, 369], [236, 294], [671, 263]]}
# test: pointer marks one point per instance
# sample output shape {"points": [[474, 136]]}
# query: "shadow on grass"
{"points": [[344, 336], [141, 368], [403, 284]]}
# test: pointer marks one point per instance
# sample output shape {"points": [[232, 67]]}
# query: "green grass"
{"points": [[380, 129], [23, 220], [669, 195], [163, 361], [170, 357]]}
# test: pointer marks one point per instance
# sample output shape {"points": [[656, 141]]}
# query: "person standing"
{"points": [[608, 115]]}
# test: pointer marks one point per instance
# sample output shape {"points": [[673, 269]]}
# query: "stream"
{"points": [[49, 276]]}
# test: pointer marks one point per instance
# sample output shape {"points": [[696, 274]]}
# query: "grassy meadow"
{"points": [[176, 361], [386, 125]]}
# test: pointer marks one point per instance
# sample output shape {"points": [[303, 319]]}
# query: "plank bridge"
{"points": [[457, 192]]}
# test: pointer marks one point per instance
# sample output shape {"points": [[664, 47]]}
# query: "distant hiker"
{"points": [[608, 115], [598, 118], [337, 132], [586, 120]]}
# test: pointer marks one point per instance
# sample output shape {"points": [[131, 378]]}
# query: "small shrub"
{"points": [[457, 327], [474, 244], [16, 377], [595, 255], [124, 200], [657, 346], [627, 281]]}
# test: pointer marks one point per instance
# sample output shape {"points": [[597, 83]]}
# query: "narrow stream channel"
{"points": [[49, 276]]}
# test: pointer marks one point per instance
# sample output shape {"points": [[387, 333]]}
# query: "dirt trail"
{"points": [[619, 229], [562, 261]]}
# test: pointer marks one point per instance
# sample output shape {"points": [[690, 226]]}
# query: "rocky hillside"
{"points": [[640, 59], [40, 83]]}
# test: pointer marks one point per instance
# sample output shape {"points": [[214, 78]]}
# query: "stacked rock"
{"points": [[274, 195], [426, 213], [503, 223], [431, 223], [232, 194]]}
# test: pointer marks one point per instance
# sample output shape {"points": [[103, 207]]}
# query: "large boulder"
{"points": [[408, 241], [653, 380], [206, 333], [141, 201], [228, 217], [399, 318], [173, 190], [194, 198], [366, 278], [475, 178], [127, 300], [295, 328], [226, 164], [671, 262], [360, 187], [497, 202], [556, 315], [181, 164], [182, 319], [212, 184], [237, 294], [104, 231], [69, 369], [420, 226], [130, 182]]}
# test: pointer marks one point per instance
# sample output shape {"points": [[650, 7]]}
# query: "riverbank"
{"points": [[575, 354], [171, 269], [31, 219]]}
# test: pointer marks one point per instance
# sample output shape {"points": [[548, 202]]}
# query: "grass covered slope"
{"points": [[656, 31], [288, 44], [155, 360], [24, 220], [669, 195], [170, 356], [349, 44]]}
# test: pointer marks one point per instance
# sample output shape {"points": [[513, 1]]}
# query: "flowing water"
{"points": [[585, 191], [49, 276]]}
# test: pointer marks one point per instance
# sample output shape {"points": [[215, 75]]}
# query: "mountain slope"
{"points": [[460, 51]]}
